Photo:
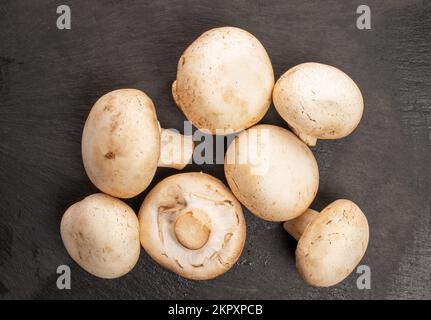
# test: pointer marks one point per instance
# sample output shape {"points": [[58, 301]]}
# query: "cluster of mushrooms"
{"points": [[191, 223]]}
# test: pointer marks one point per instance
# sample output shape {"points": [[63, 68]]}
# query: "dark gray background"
{"points": [[49, 80]]}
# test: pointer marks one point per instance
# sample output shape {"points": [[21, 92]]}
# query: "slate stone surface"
{"points": [[50, 78]]}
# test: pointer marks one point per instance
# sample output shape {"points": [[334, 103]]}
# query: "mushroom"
{"points": [[101, 234], [191, 224], [122, 144], [331, 243], [318, 101], [272, 172], [224, 81]]}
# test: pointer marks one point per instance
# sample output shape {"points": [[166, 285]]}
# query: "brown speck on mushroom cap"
{"points": [[191, 224], [110, 155]]}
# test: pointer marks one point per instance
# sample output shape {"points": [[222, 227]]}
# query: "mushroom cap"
{"points": [[224, 80], [333, 244], [279, 183], [318, 100], [121, 143], [192, 225], [101, 234]]}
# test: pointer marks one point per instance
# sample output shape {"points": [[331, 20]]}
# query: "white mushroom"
{"points": [[122, 144], [101, 234], [224, 81], [191, 224], [272, 172], [318, 102], [331, 243]]}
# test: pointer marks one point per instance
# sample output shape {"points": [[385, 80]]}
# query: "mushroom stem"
{"points": [[176, 150], [308, 140], [192, 229], [296, 227]]}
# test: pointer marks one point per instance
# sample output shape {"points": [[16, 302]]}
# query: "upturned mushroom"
{"points": [[224, 81], [318, 101], [122, 144], [272, 172], [191, 224], [331, 243], [101, 234]]}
